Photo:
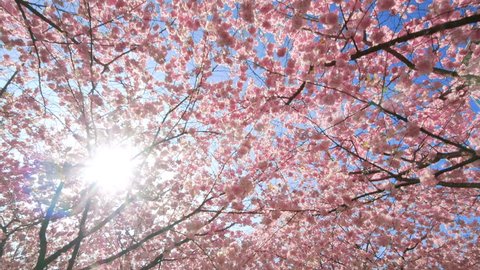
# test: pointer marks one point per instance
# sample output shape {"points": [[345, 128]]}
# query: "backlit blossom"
{"points": [[412, 129], [427, 177], [264, 134], [385, 4], [330, 18], [424, 65]]}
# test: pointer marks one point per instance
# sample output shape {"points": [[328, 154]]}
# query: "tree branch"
{"points": [[300, 89], [80, 236], [429, 31], [4, 88], [147, 238], [43, 229]]}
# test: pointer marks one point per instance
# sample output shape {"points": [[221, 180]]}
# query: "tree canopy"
{"points": [[202, 134]]}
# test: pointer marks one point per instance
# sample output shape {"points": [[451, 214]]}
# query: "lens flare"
{"points": [[111, 169]]}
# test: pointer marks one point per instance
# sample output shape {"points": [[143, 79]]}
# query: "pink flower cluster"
{"points": [[427, 177]]}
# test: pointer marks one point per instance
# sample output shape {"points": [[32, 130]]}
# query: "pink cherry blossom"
{"points": [[424, 65], [239, 135], [281, 52], [412, 130], [427, 177], [385, 4], [330, 18]]}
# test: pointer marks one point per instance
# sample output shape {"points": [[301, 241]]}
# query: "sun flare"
{"points": [[111, 169]]}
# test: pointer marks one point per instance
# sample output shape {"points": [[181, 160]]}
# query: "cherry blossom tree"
{"points": [[259, 134]]}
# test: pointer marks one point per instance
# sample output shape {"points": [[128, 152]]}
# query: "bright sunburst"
{"points": [[111, 169]]}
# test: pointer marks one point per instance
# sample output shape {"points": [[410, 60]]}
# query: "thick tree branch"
{"points": [[423, 130], [147, 238], [411, 65], [425, 32], [458, 165], [43, 229], [41, 16], [4, 88], [80, 236], [300, 89], [96, 228]]}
